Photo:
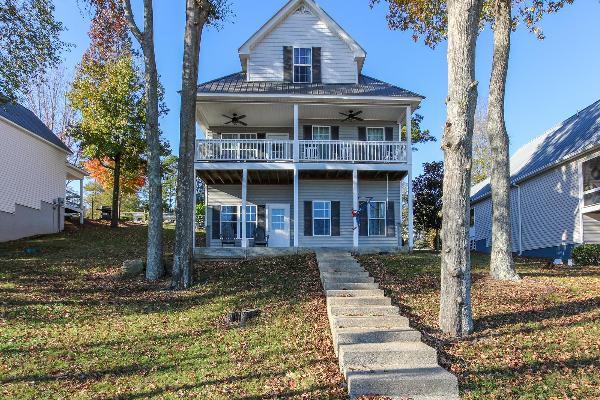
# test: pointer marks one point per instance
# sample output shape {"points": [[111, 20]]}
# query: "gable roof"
{"points": [[21, 116], [366, 87], [576, 135], [286, 11]]}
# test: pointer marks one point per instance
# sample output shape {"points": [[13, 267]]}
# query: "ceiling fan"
{"points": [[352, 116], [235, 119]]}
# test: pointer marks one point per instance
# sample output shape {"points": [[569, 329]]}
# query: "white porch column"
{"points": [[243, 211], [296, 134], [410, 188], [296, 206], [401, 219], [81, 206], [354, 207], [194, 219]]}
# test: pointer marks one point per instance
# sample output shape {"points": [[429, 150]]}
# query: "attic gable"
{"points": [[301, 7]]}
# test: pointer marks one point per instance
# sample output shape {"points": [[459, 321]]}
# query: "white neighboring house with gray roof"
{"points": [[555, 193], [302, 149], [33, 176]]}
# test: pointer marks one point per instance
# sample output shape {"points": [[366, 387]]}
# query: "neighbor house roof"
{"points": [[366, 86], [572, 137], [21, 116], [289, 8]]}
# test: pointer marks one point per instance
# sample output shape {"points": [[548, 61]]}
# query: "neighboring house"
{"points": [[300, 139], [555, 195], [33, 175]]}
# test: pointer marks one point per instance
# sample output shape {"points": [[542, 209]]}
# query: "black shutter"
{"points": [[364, 219], [216, 222], [261, 135], [389, 134], [288, 55], [307, 132], [390, 220], [335, 133], [316, 65], [362, 133], [335, 218], [261, 222], [308, 229]]}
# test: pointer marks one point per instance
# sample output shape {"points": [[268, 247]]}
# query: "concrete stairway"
{"points": [[379, 354]]}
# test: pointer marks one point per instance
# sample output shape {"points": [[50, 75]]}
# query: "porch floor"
{"points": [[204, 253]]}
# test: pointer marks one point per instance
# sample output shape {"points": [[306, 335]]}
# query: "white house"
{"points": [[555, 195], [301, 148], [33, 175]]}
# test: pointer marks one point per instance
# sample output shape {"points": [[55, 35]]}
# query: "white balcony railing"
{"points": [[244, 150], [309, 150]]}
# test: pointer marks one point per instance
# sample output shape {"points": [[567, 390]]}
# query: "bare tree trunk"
{"points": [[184, 215], [501, 264], [455, 316], [114, 221], [154, 262]]}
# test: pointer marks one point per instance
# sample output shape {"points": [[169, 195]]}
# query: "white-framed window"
{"points": [[472, 218], [231, 221], [376, 213], [376, 134], [321, 218], [302, 65], [321, 133], [242, 136], [590, 171]]}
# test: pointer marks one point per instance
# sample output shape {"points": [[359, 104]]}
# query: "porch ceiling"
{"points": [[210, 114], [286, 177]]}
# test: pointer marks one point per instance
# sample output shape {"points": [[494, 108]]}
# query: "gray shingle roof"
{"points": [[366, 86], [26, 119], [576, 135]]}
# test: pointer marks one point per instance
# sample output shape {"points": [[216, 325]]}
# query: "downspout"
{"points": [[519, 223]]}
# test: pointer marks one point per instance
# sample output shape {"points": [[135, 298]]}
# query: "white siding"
{"points": [[302, 30], [549, 211], [591, 227], [31, 170]]}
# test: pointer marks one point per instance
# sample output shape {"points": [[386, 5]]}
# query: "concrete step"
{"points": [[365, 356], [358, 301], [354, 293], [389, 322], [342, 274], [350, 286], [340, 264], [343, 336], [348, 279], [433, 383], [363, 311]]}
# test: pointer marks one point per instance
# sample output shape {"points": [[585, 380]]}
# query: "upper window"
{"points": [[472, 218], [238, 136], [375, 134], [302, 65], [321, 218], [321, 133], [591, 182], [377, 218]]}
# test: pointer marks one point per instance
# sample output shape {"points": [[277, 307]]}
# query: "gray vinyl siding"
{"points": [[303, 30], [549, 211], [327, 190], [591, 227], [257, 194]]}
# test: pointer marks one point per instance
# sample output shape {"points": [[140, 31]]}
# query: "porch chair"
{"points": [[261, 239], [227, 240]]}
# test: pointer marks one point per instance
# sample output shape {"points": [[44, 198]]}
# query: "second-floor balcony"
{"points": [[261, 150]]}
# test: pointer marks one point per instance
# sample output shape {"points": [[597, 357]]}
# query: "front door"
{"points": [[278, 216]]}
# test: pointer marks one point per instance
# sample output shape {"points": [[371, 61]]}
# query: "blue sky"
{"points": [[548, 80]]}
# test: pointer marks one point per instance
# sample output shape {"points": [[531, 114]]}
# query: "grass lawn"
{"points": [[535, 339], [70, 327]]}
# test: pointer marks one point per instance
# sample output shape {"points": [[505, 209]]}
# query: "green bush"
{"points": [[587, 254]]}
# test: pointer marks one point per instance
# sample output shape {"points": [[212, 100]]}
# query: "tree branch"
{"points": [[139, 35]]}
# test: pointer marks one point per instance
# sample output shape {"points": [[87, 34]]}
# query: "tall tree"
{"points": [[145, 37], [455, 316], [110, 99], [30, 44], [199, 13], [428, 189]]}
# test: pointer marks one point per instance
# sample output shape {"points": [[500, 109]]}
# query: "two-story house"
{"points": [[301, 148]]}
